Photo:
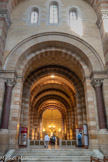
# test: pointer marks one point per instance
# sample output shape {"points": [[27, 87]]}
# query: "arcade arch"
{"points": [[54, 74]]}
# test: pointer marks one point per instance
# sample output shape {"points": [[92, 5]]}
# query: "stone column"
{"points": [[4, 135], [97, 84], [63, 128], [6, 104]]}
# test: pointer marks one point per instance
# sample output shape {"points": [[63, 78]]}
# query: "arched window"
{"points": [[34, 16], [53, 13], [75, 21], [72, 15]]}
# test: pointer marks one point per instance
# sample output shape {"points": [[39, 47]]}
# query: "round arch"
{"points": [[65, 43], [36, 48]]}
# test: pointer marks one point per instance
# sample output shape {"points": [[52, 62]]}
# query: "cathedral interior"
{"points": [[53, 71]]}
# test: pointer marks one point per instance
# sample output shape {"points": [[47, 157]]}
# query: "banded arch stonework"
{"points": [[7, 7], [74, 54], [85, 52], [23, 58]]}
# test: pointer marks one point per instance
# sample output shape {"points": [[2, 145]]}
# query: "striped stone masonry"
{"points": [[74, 95], [4, 25]]}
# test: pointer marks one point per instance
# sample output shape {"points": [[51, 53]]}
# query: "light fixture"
{"points": [[51, 127], [43, 130], [52, 76]]}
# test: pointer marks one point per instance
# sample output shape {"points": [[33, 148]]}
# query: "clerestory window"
{"points": [[72, 16], [75, 21], [34, 16], [54, 18]]}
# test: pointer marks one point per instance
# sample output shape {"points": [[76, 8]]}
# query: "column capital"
{"points": [[5, 14], [103, 15], [97, 82], [10, 82]]}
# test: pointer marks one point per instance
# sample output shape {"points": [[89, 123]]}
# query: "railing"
{"points": [[67, 142], [36, 142], [61, 142]]}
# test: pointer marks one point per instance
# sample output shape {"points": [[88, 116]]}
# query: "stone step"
{"points": [[45, 152], [56, 161], [56, 155], [57, 158]]}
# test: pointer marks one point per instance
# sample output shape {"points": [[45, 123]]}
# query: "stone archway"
{"points": [[72, 60], [50, 41], [40, 79]]}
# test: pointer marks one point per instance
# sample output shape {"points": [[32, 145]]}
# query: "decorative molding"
{"points": [[98, 75], [96, 82], [103, 15], [10, 82], [61, 36], [5, 74]]}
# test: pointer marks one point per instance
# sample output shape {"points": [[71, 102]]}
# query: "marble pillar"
{"points": [[97, 84], [4, 134], [6, 104]]}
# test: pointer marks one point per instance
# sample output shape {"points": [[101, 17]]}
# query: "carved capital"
{"points": [[10, 82], [97, 82], [103, 16], [4, 13]]}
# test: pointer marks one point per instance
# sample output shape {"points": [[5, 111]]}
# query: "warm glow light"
{"points": [[33, 134], [43, 130], [59, 130], [52, 76], [53, 126], [77, 26]]}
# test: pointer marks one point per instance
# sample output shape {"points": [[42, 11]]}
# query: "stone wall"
{"points": [[82, 54], [21, 28]]}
